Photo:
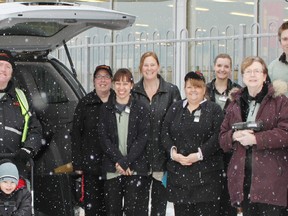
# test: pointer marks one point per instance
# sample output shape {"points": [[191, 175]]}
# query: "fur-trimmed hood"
{"points": [[277, 88], [280, 87]]}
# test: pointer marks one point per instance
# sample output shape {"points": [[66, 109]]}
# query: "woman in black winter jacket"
{"points": [[190, 136], [157, 95], [123, 133], [86, 149], [218, 91]]}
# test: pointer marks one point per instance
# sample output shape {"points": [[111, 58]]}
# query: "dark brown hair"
{"points": [[123, 74], [282, 28], [196, 79]]}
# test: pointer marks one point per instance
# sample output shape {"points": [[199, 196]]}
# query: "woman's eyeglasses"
{"points": [[255, 72], [100, 77]]}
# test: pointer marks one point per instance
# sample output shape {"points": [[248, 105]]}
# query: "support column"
{"points": [[181, 50]]}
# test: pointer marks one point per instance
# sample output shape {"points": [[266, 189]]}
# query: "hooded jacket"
{"points": [[269, 179], [158, 106], [21, 200]]}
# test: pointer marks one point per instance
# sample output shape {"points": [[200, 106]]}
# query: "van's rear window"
{"points": [[39, 29]]}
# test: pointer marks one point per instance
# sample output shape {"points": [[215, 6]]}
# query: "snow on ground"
{"points": [[169, 210]]}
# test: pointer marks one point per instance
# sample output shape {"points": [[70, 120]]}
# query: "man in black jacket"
{"points": [[20, 130]]}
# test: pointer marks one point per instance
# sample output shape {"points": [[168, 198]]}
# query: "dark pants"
{"points": [[226, 209], [94, 195], [284, 212], [256, 209], [158, 198], [197, 209], [133, 189], [260, 209]]}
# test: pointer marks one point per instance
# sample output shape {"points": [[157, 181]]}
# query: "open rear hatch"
{"points": [[38, 26]]}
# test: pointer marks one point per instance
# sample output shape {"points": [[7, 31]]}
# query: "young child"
{"points": [[15, 199]]}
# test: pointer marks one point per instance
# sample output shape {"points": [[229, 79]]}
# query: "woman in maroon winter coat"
{"points": [[258, 170]]}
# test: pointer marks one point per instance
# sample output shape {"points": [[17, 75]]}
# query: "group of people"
{"points": [[221, 150], [116, 140]]}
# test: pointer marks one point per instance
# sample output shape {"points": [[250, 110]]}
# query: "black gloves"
{"points": [[23, 155]]}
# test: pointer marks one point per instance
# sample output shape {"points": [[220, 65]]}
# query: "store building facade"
{"points": [[186, 35]]}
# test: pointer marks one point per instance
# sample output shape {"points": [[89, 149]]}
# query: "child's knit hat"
{"points": [[8, 171]]}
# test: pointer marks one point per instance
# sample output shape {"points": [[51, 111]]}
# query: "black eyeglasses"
{"points": [[100, 77]]}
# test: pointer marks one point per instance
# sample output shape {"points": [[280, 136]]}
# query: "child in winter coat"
{"points": [[15, 199]]}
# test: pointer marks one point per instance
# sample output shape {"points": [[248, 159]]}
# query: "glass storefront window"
{"points": [[272, 14], [154, 20], [204, 14], [151, 16]]}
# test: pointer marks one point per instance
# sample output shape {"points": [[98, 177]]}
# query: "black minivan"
{"points": [[31, 31]]}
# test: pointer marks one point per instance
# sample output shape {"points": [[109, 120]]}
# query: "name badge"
{"points": [[197, 115], [127, 109], [223, 98]]}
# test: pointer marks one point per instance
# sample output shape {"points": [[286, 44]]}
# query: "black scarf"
{"points": [[282, 58], [246, 99]]}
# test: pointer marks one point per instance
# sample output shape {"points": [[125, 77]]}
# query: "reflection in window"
{"points": [[50, 90], [33, 29]]}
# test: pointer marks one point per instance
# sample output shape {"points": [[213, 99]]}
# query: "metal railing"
{"points": [[177, 54]]}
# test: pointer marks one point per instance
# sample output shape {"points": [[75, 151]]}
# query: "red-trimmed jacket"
{"points": [[22, 199]]}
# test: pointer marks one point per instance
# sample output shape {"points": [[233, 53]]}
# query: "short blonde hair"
{"points": [[250, 60]]}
